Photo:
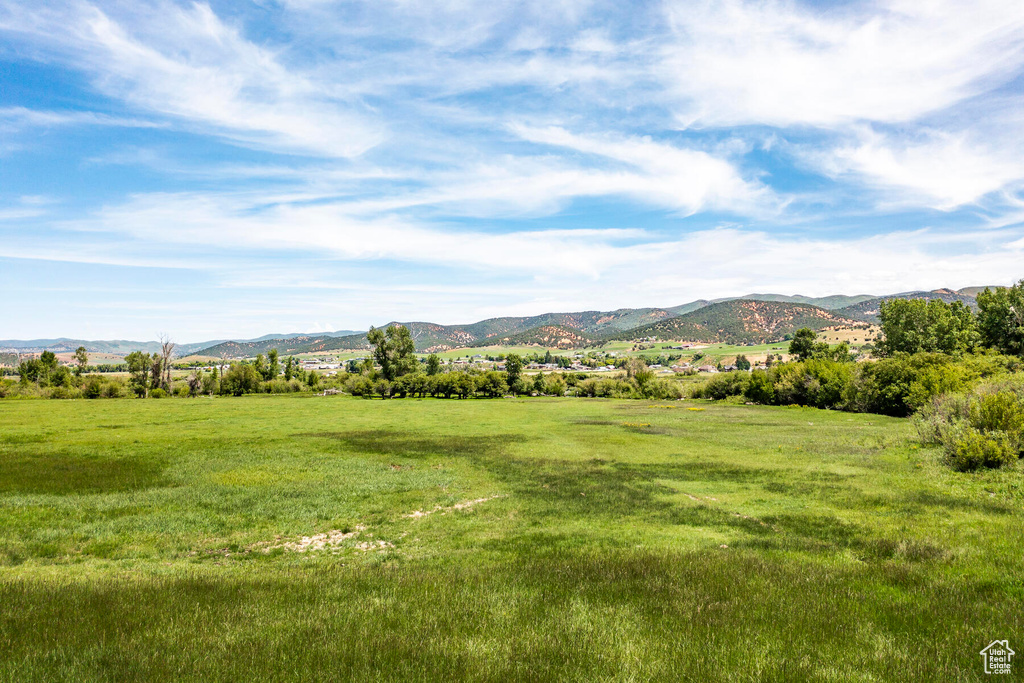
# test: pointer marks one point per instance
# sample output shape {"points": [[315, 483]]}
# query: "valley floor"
{"points": [[329, 538]]}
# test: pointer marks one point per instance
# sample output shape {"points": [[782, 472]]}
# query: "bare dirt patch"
{"points": [[458, 506]]}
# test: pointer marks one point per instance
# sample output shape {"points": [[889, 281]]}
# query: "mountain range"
{"points": [[747, 319]]}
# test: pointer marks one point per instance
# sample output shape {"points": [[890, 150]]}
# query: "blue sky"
{"points": [[230, 169]]}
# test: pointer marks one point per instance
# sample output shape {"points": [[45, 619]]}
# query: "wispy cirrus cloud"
{"points": [[474, 158], [783, 64], [185, 63]]}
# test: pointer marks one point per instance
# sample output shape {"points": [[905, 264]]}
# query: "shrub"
{"points": [[158, 393], [282, 386], [492, 384], [723, 386], [359, 385], [898, 386], [982, 429], [1001, 411], [554, 386], [382, 388], [92, 387], [114, 389], [604, 388], [663, 389], [973, 450], [760, 388], [63, 392], [240, 379]]}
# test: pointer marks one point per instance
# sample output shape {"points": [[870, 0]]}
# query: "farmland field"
{"points": [[332, 538]]}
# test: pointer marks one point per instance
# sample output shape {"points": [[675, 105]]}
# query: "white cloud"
{"points": [[262, 224], [187, 64], [684, 179], [16, 118], [619, 266], [782, 64], [940, 169]]}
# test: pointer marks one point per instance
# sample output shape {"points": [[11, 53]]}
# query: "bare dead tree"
{"points": [[166, 353]]}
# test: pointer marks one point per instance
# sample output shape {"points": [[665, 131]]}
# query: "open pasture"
{"points": [[331, 538]]}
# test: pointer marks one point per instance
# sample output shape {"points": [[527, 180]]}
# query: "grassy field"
{"points": [[331, 538]]}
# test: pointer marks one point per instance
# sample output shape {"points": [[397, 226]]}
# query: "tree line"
{"points": [[959, 372]]}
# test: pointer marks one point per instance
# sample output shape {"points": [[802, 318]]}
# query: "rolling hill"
{"points": [[433, 337], [868, 309], [550, 336], [684, 320], [830, 303], [739, 321], [123, 347]]}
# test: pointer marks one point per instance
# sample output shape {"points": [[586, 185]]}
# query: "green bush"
{"points": [[240, 379], [158, 393], [114, 389], [382, 388], [760, 388], [723, 386], [359, 385], [92, 387], [282, 386], [554, 386], [973, 450], [63, 392], [1001, 411], [984, 428], [492, 384], [604, 387]]}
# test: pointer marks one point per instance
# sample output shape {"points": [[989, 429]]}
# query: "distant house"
{"points": [[707, 368]]}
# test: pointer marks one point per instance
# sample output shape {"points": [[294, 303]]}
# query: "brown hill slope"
{"points": [[741, 321]]}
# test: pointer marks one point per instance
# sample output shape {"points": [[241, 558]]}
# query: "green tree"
{"points": [[81, 360], [393, 350], [1001, 318], [138, 371], [742, 363], [555, 385], [514, 369], [240, 379], [273, 366], [492, 384], [641, 375], [433, 365], [30, 370], [289, 368], [916, 325], [260, 366], [61, 377], [156, 372], [538, 383], [805, 344]]}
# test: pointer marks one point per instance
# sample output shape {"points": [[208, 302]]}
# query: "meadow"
{"points": [[299, 537]]}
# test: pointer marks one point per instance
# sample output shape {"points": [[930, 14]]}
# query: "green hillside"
{"points": [[741, 321], [548, 336], [868, 310], [730, 320], [830, 303], [433, 337]]}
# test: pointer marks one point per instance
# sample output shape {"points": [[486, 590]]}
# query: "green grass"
{"points": [[618, 540]]}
